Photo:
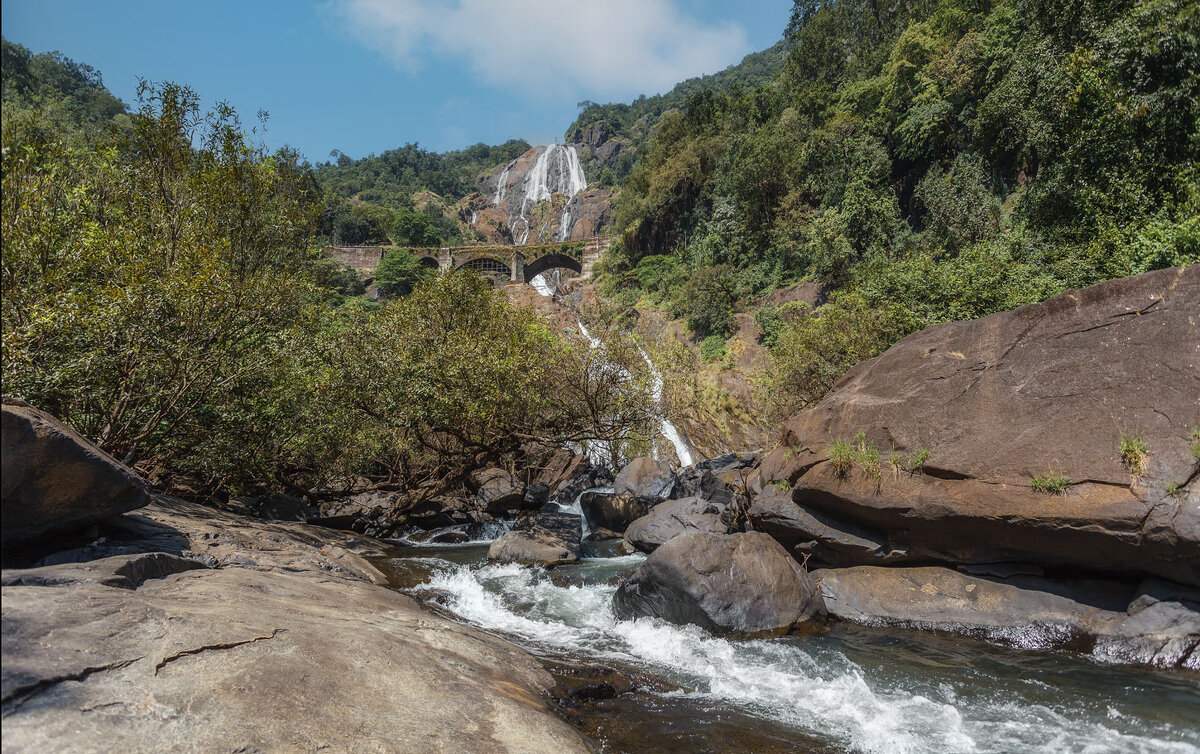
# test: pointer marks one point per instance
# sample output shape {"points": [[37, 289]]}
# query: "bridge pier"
{"points": [[445, 259], [518, 268]]}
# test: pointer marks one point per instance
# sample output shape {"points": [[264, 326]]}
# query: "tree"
{"points": [[414, 228], [708, 300], [400, 272]]}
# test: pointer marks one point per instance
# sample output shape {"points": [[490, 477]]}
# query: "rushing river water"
{"points": [[852, 689]]}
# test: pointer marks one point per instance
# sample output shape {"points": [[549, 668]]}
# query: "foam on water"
{"points": [[811, 685]]}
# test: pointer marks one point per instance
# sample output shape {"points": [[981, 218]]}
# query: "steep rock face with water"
{"points": [[1045, 390], [540, 197]]}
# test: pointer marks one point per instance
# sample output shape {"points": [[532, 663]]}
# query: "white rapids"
{"points": [[809, 684]]}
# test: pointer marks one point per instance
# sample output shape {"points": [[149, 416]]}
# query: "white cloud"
{"points": [[588, 48]]}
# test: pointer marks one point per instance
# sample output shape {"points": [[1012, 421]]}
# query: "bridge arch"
{"points": [[550, 262], [430, 262], [486, 266]]}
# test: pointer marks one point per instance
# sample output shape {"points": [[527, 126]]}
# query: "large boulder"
{"points": [[818, 535], [52, 481], [976, 410], [497, 491], [605, 510], [1155, 623], [290, 645], [645, 477], [696, 481], [670, 519], [740, 584], [545, 538]]}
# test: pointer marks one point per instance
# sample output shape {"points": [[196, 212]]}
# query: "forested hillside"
{"points": [[407, 194], [631, 125], [926, 162]]}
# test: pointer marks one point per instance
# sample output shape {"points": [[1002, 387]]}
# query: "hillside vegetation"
{"points": [[164, 292], [926, 162]]}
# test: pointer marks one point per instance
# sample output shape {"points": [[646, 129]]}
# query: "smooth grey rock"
{"points": [[605, 510], [544, 538], [645, 477], [672, 518], [743, 584]]}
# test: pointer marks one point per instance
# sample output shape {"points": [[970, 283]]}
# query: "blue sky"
{"points": [[363, 76]]}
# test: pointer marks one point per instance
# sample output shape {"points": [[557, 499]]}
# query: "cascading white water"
{"points": [[502, 185], [667, 428], [556, 170], [848, 695]]}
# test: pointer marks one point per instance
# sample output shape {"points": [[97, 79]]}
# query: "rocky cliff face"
{"points": [[540, 197]]}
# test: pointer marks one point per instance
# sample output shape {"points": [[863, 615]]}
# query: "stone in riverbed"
{"points": [[740, 584], [54, 481], [1156, 623], [645, 477], [614, 512], [675, 517], [497, 491], [544, 538]]}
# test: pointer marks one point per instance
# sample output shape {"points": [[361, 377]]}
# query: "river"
{"points": [[851, 689]]}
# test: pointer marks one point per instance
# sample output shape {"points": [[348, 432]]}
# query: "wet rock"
{"points": [[440, 512], [545, 538], [584, 477], [497, 491], [742, 584], [53, 481], [1046, 388], [819, 535], [278, 507], [728, 462], [672, 518], [1156, 623], [645, 477], [605, 510]]}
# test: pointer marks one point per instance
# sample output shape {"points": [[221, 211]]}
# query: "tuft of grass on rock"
{"points": [[895, 463], [1195, 444], [782, 485], [841, 457], [1135, 454], [917, 461], [1175, 490], [1052, 483]]}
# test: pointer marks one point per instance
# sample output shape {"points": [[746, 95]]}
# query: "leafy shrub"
{"points": [[712, 348], [708, 301]]}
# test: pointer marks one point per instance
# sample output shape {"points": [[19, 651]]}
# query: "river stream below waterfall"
{"points": [[850, 689]]}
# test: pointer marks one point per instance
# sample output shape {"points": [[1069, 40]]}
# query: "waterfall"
{"points": [[666, 427], [555, 171], [502, 184]]}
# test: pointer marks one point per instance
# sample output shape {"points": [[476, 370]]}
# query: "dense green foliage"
{"points": [[408, 194], [632, 124], [162, 293], [400, 272], [64, 94], [929, 161]]}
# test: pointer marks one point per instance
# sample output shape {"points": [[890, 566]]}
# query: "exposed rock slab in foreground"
{"points": [[1154, 623], [1045, 389], [286, 646], [741, 584]]}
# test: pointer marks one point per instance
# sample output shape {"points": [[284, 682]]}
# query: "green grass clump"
{"points": [[867, 456], [1175, 490], [917, 461], [841, 457], [782, 485], [1135, 453], [1052, 483], [895, 463], [1195, 438]]}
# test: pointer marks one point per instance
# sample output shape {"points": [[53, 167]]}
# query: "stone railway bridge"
{"points": [[517, 263]]}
